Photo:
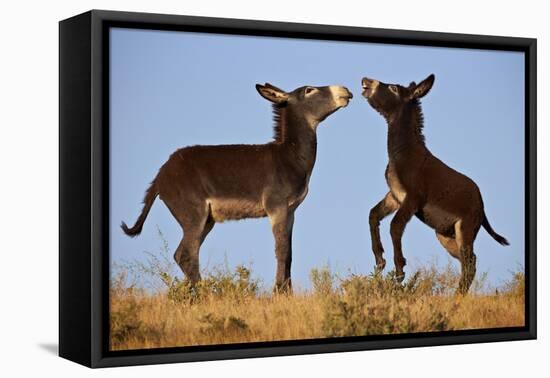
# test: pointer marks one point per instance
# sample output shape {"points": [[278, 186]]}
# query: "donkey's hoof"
{"points": [[380, 266], [283, 289], [399, 277]]}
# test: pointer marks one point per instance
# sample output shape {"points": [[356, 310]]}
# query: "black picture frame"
{"points": [[84, 194]]}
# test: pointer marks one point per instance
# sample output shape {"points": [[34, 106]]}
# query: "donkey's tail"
{"points": [[150, 196], [500, 239]]}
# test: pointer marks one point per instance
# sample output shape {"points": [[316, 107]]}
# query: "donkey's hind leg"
{"points": [[382, 209], [187, 254], [196, 223], [449, 243], [208, 226], [187, 257], [465, 242]]}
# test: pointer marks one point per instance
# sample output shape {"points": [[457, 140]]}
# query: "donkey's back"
{"points": [[228, 179]]}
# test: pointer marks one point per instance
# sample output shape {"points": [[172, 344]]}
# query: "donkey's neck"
{"points": [[405, 131], [297, 137]]}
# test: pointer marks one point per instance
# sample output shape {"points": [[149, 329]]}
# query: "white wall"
{"points": [[29, 174]]}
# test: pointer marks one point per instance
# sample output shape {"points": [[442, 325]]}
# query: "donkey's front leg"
{"points": [[384, 208], [282, 222], [407, 209]]}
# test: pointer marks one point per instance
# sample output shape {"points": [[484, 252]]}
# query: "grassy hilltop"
{"points": [[230, 307]]}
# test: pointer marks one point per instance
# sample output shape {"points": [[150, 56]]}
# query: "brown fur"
{"points": [[204, 185], [421, 185]]}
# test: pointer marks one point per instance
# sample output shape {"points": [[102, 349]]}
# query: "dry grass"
{"points": [[229, 307]]}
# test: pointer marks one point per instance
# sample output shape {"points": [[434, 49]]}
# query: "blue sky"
{"points": [[175, 89]]}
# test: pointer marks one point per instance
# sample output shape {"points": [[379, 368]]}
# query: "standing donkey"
{"points": [[422, 185], [204, 185]]}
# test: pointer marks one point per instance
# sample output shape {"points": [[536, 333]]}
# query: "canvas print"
{"points": [[270, 189]]}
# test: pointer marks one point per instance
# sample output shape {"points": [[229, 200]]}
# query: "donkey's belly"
{"points": [[223, 209], [437, 218]]}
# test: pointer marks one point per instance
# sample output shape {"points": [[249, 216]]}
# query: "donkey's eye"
{"points": [[310, 90], [394, 89]]}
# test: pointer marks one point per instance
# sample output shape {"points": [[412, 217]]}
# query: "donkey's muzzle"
{"points": [[347, 93], [341, 95], [366, 82], [369, 86]]}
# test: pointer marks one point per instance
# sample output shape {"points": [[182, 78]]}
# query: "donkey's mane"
{"points": [[417, 119], [279, 125], [406, 129]]}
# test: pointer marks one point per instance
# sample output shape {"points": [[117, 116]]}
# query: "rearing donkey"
{"points": [[422, 185], [203, 185]]}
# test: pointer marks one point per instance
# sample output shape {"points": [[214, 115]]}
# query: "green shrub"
{"points": [[322, 281], [221, 283], [516, 285], [378, 304]]}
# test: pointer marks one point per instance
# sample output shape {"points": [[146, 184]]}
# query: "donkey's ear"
{"points": [[424, 87], [269, 85], [272, 93]]}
